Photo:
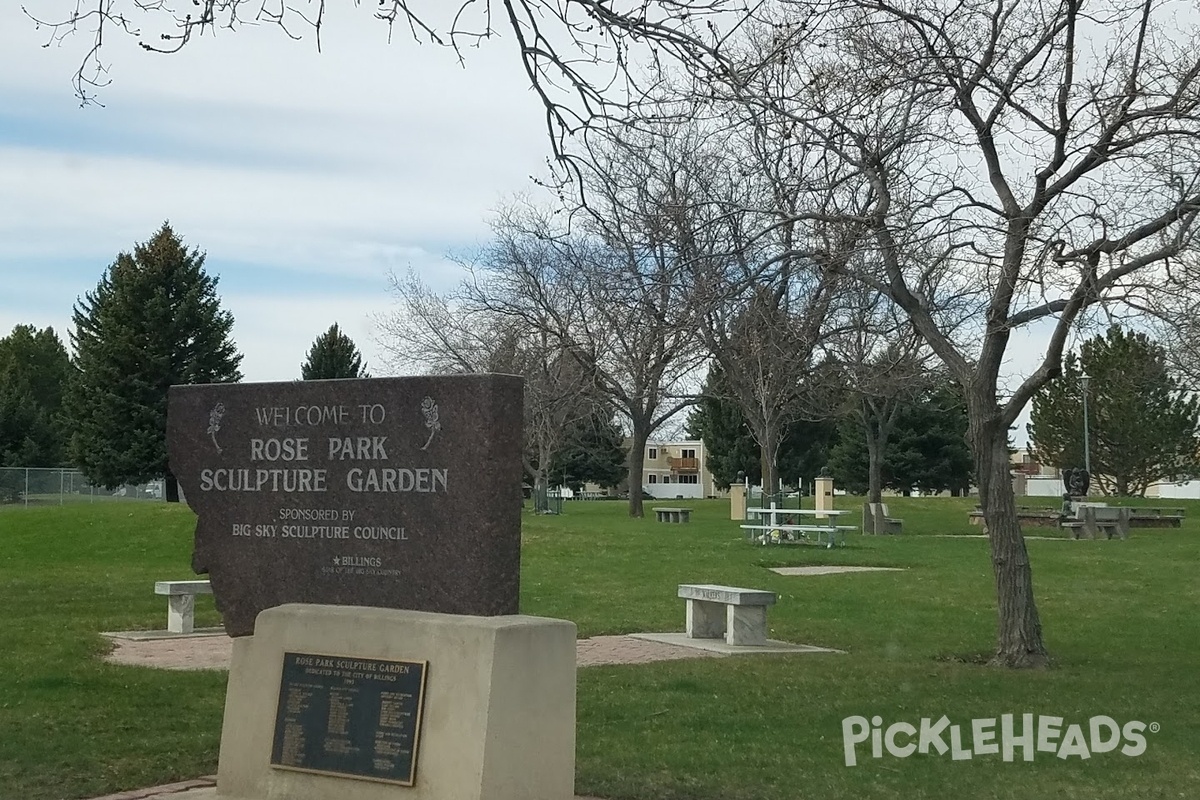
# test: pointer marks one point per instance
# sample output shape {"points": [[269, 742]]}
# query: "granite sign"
{"points": [[390, 492]]}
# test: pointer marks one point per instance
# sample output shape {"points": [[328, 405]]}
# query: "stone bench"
{"points": [[737, 615], [1093, 520], [181, 602], [877, 521], [673, 514]]}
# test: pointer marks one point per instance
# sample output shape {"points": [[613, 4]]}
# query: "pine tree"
{"points": [[593, 451], [153, 320], [731, 448], [926, 450], [34, 368], [1142, 423], [333, 355]]}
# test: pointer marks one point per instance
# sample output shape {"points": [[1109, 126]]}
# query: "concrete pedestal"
{"points": [[823, 489], [737, 502], [499, 705]]}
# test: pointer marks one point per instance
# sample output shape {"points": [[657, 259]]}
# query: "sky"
{"points": [[305, 176]]}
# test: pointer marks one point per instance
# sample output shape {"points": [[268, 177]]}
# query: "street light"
{"points": [[1087, 455]]}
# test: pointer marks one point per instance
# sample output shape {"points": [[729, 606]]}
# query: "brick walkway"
{"points": [[213, 652]]}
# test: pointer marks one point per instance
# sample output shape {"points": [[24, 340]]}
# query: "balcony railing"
{"points": [[683, 464]]}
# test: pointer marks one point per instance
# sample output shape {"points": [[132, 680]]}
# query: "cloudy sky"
{"points": [[306, 176]]}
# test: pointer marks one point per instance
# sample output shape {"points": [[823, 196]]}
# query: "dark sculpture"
{"points": [[1076, 481]]}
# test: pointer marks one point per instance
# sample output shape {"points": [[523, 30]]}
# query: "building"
{"points": [[1040, 480], [678, 469]]}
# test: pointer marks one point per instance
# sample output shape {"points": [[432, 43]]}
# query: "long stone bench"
{"points": [[672, 514], [1092, 520], [735, 614], [181, 602]]}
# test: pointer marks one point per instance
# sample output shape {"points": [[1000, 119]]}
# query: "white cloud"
{"points": [[305, 176]]}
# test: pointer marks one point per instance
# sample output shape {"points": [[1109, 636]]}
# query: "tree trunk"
{"points": [[171, 488], [637, 461], [874, 468], [769, 449], [1019, 642]]}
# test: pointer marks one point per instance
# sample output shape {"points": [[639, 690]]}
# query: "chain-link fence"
{"points": [[37, 486]]}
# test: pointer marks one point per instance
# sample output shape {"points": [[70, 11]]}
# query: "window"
{"points": [[653, 454], [666, 478], [652, 479], [689, 453], [687, 479]]}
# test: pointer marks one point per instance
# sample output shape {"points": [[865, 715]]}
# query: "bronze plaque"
{"points": [[351, 717]]}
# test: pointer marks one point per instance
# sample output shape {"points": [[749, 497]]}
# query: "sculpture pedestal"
{"points": [[497, 706]]}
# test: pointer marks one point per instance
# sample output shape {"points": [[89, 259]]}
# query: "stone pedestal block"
{"points": [[181, 613], [705, 620], [746, 625], [498, 707]]}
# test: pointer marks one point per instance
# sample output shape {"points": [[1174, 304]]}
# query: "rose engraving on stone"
{"points": [[214, 423], [430, 410]]}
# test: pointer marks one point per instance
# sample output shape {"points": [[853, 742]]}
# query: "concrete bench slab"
{"points": [[662, 514], [734, 613]]}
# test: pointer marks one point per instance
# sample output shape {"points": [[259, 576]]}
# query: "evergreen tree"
{"points": [[34, 369], [926, 450], [593, 452], [718, 421], [929, 450], [153, 320], [731, 448], [333, 355], [1142, 423]]}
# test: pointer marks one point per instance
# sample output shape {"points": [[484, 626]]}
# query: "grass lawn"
{"points": [[1120, 622]]}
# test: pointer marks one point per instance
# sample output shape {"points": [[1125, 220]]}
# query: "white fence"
{"points": [[38, 486]]}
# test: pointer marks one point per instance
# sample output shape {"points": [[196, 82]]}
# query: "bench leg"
{"points": [[181, 613], [746, 625], [705, 620]]}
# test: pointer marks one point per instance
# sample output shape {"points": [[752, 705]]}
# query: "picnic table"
{"points": [[788, 525]]}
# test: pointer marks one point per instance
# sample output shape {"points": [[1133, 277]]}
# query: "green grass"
{"points": [[1119, 617]]}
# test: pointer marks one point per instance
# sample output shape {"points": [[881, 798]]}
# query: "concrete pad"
{"points": [[151, 636], [984, 536], [720, 646], [830, 570]]}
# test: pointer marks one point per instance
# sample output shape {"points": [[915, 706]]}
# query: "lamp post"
{"points": [[1087, 454]]}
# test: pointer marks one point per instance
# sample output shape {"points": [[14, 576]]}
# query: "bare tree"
{"points": [[446, 335], [1048, 157], [617, 300], [883, 364]]}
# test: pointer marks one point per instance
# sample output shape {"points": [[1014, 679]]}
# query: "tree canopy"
{"points": [[1142, 423], [153, 320], [926, 449], [593, 451], [34, 370], [333, 355], [732, 450]]}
